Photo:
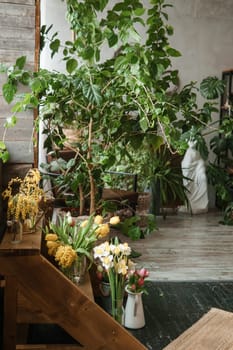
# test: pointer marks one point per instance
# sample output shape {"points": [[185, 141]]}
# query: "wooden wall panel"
{"points": [[17, 38]]}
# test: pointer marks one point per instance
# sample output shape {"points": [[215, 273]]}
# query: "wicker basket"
{"points": [[143, 203]]}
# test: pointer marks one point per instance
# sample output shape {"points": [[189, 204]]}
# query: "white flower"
{"points": [[121, 267], [115, 249], [107, 261], [101, 250], [69, 218], [125, 249]]}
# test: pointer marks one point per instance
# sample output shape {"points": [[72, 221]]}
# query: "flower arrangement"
{"points": [[114, 258], [136, 281], [24, 197], [69, 238]]}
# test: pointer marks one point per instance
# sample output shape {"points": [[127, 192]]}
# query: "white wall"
{"points": [[53, 12], [204, 36]]}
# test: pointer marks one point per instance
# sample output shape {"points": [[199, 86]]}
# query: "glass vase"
{"points": [[117, 286], [118, 310], [76, 272], [15, 227]]}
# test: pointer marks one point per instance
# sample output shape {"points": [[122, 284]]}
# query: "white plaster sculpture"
{"points": [[193, 168]]}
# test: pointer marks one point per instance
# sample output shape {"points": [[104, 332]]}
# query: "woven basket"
{"points": [[143, 203]]}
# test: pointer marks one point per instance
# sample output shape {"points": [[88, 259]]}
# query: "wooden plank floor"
{"points": [[188, 248]]}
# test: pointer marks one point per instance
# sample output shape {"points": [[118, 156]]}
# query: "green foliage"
{"points": [[119, 103], [228, 215], [222, 182], [130, 228], [4, 154], [212, 87]]}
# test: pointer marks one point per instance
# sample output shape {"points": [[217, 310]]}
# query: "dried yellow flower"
{"points": [[24, 205]]}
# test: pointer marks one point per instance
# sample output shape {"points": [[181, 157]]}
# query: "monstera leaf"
{"points": [[212, 87]]}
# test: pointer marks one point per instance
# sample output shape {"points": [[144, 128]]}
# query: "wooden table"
{"points": [[36, 291], [214, 331]]}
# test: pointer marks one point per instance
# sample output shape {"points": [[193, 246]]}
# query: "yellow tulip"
{"points": [[51, 237], [84, 223], [102, 231], [98, 220], [114, 220], [52, 247]]}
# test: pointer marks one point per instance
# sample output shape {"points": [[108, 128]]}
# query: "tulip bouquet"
{"points": [[136, 281], [69, 238]]}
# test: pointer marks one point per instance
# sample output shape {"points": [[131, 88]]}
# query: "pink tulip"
{"points": [[141, 282], [143, 272]]}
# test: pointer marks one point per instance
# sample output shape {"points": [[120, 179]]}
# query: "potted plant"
{"points": [[120, 102]]}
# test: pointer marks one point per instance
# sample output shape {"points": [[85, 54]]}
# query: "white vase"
{"points": [[134, 311]]}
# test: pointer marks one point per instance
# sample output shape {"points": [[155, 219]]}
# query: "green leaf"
{"points": [[9, 91], [170, 30], [4, 154], [10, 122], [119, 7], [36, 85], [2, 145], [54, 47], [88, 53], [173, 52], [112, 40], [20, 62], [133, 34], [212, 87], [71, 65], [144, 124], [102, 4], [17, 107], [139, 11], [92, 93], [25, 78]]}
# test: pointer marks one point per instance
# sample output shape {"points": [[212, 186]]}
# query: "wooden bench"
{"points": [[36, 291], [214, 331]]}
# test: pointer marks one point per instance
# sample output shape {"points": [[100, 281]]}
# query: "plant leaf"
{"points": [[71, 65]]}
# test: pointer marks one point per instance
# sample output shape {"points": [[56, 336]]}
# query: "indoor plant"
{"points": [[121, 101]]}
